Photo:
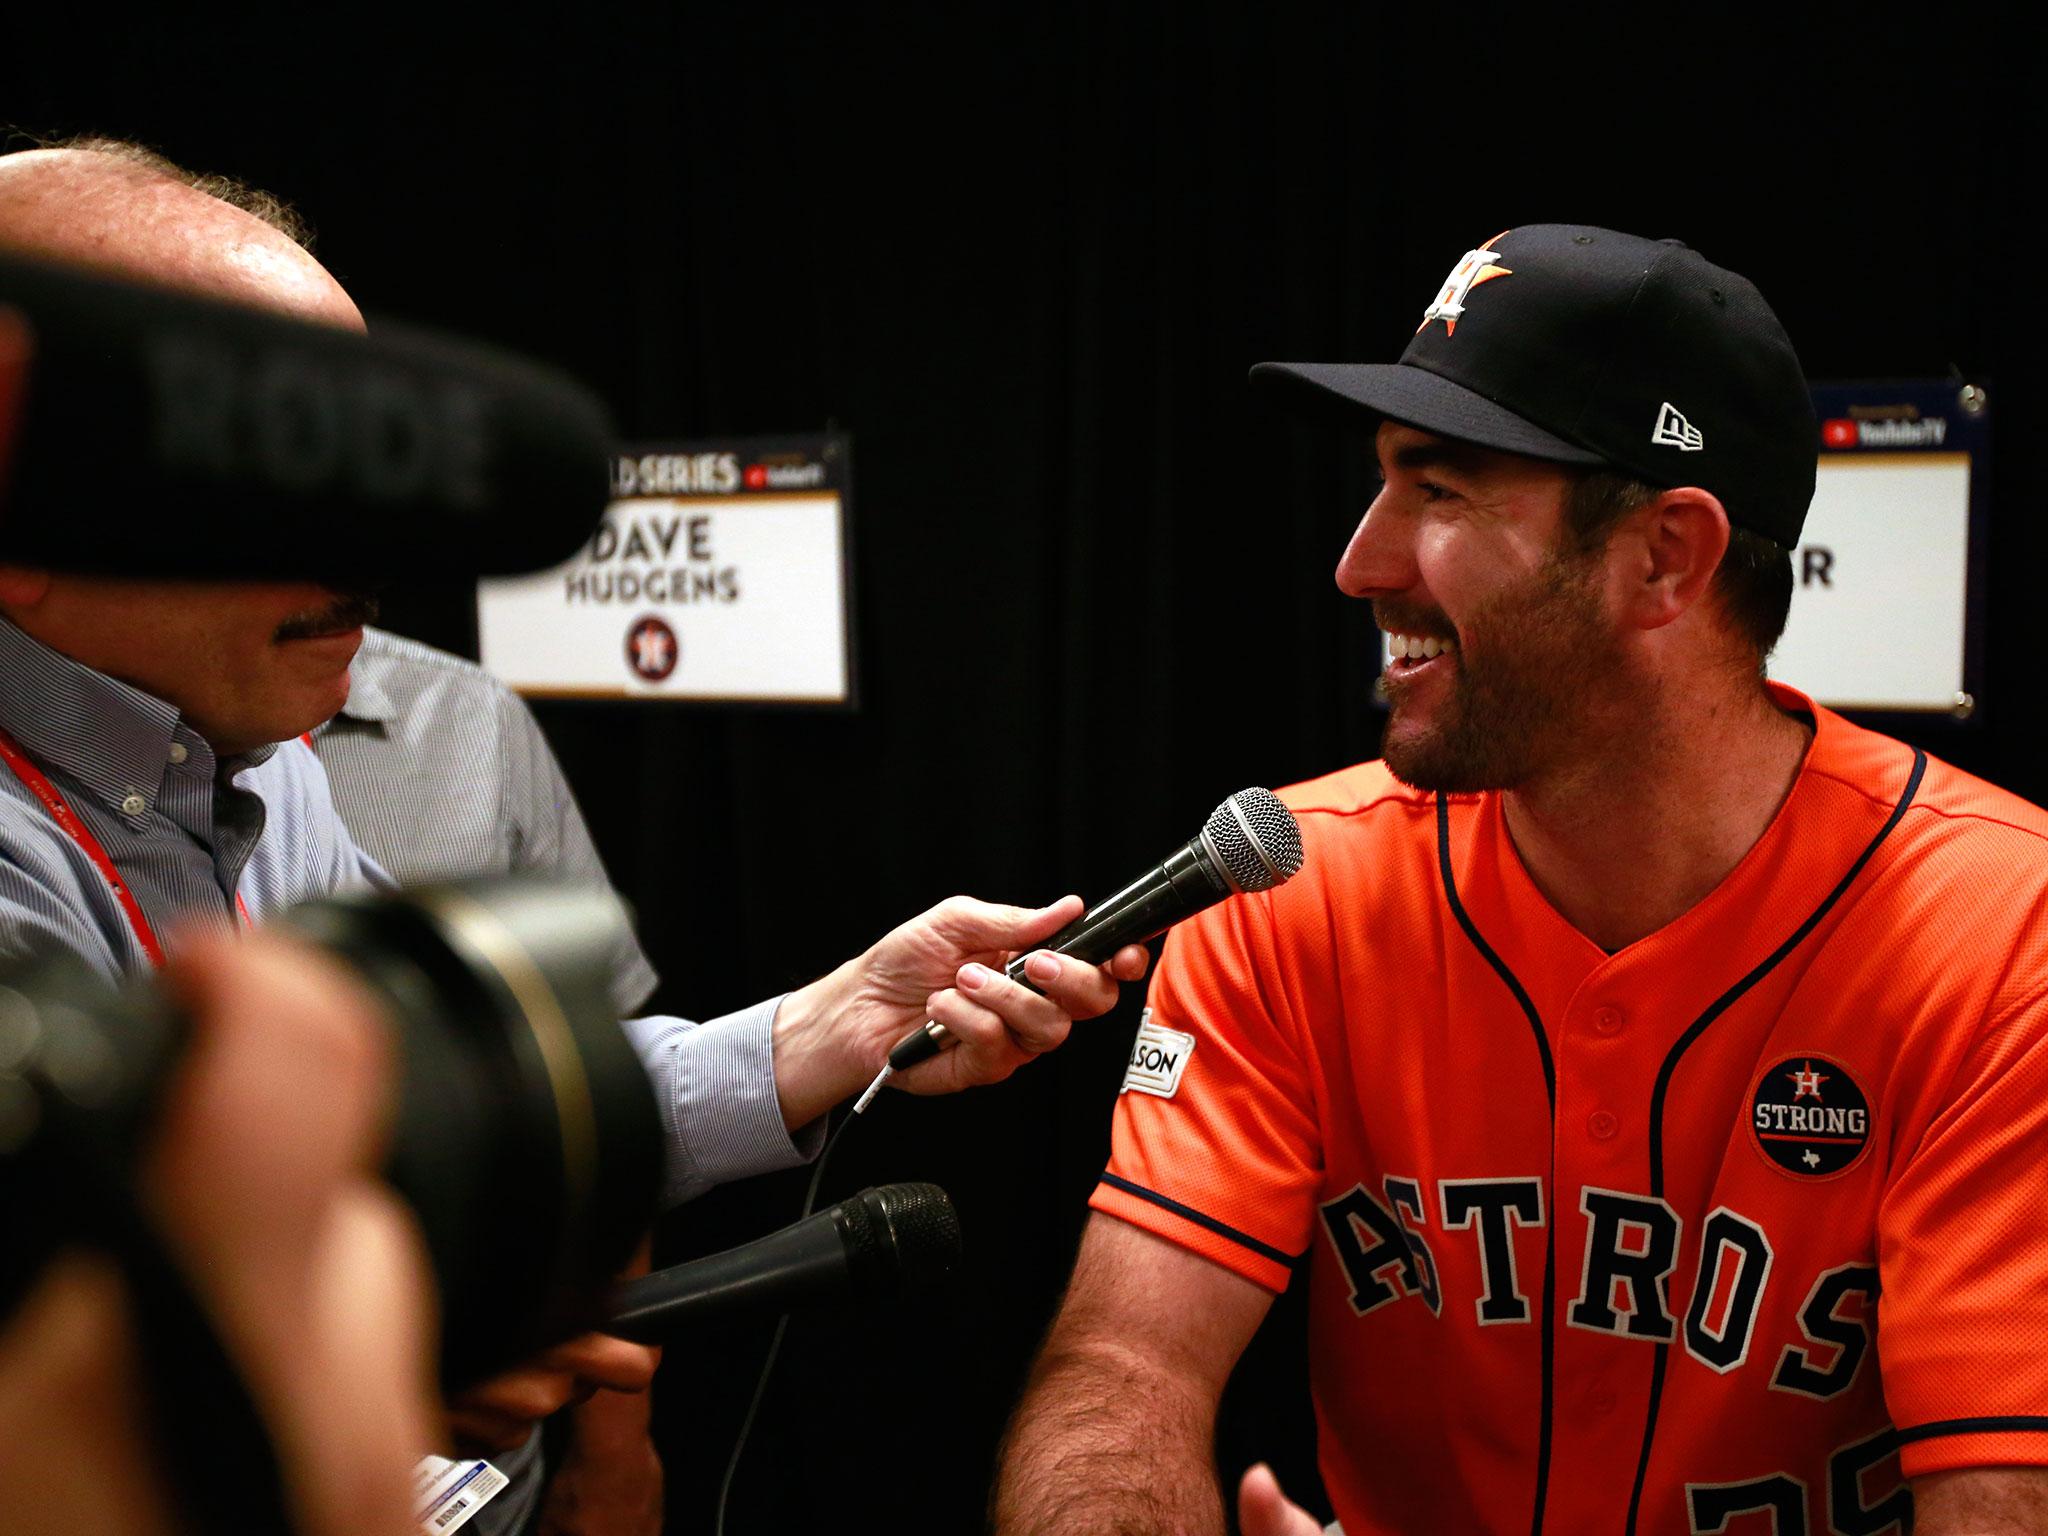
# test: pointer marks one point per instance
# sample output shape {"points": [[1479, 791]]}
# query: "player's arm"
{"points": [[1116, 1428], [1982, 1501], [1963, 1270]]}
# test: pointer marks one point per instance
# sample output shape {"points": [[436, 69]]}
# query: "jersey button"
{"points": [[1607, 1021], [1600, 1400], [1601, 1125]]}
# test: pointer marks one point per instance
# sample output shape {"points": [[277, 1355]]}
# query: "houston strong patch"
{"points": [[1809, 1116]]}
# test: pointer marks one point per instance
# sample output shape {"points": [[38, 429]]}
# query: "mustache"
{"points": [[1424, 624], [349, 610]]}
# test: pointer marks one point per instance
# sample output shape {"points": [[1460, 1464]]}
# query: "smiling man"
{"points": [[1633, 1027]]}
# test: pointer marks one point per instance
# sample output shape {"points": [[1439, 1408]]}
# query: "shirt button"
{"points": [[178, 752], [134, 805], [1607, 1021], [1601, 1125]]}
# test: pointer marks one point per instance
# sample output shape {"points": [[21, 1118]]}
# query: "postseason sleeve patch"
{"points": [[1158, 1057]]}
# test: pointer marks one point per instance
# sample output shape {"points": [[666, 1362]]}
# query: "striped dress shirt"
{"points": [[443, 768], [441, 771], [186, 830]]}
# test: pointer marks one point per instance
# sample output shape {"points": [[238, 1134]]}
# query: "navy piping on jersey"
{"points": [[1697, 1028], [2031, 1423], [1209, 1223], [1443, 859]]}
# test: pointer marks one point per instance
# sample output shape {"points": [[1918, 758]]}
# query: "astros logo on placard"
{"points": [[652, 649]]}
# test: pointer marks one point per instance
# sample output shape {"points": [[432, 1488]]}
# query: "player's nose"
{"points": [[1380, 560]]}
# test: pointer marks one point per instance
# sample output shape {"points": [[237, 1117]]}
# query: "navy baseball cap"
{"points": [[1584, 346]]}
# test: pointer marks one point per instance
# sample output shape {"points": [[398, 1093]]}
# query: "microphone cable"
{"points": [[739, 1445]]}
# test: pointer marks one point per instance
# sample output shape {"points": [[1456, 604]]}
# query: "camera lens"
{"points": [[525, 1135]]}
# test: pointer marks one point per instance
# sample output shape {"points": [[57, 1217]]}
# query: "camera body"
{"points": [[525, 1136]]}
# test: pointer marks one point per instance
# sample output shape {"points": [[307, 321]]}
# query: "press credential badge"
{"points": [[445, 1494]]}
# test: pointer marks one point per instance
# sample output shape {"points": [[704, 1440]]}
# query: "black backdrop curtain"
{"points": [[1025, 255]]}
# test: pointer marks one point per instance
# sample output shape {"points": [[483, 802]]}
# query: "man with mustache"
{"points": [[1633, 1027], [153, 784]]}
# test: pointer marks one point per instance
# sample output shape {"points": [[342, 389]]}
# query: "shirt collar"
{"points": [[108, 735], [367, 700]]}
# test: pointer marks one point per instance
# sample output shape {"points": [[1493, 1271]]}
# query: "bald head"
{"points": [[130, 220], [245, 662]]}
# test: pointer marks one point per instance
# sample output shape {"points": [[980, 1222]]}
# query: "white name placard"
{"points": [[737, 592], [1881, 584]]}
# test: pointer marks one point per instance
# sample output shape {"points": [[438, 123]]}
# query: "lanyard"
{"points": [[79, 833]]}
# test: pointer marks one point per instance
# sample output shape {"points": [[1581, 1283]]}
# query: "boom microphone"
{"points": [[1249, 843], [158, 434], [883, 1243]]}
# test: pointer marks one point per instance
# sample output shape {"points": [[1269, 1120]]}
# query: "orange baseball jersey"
{"points": [[1728, 1231]]}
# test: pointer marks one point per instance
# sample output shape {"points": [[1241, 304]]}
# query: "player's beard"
{"points": [[1529, 666]]}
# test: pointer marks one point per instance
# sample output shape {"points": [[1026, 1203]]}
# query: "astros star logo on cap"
{"points": [[1473, 268]]}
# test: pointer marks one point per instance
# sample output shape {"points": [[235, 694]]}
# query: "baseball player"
{"points": [[1649, 1068]]}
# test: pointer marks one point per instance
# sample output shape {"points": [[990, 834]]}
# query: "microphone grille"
{"points": [[1256, 840], [914, 1236]]}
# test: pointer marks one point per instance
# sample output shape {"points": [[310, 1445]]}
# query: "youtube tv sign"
{"points": [[1840, 432], [1887, 600]]}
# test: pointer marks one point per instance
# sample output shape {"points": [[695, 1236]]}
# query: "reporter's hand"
{"points": [[832, 1037], [311, 1273], [498, 1414], [1263, 1510], [609, 1482]]}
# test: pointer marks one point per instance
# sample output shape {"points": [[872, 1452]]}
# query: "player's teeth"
{"points": [[1416, 647]]}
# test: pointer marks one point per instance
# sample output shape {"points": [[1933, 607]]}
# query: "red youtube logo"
{"points": [[1838, 433], [756, 477]]}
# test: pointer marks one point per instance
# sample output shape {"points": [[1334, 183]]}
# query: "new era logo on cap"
{"points": [[1674, 431]]}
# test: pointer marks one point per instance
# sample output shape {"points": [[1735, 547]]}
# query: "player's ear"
{"points": [[1677, 543]]}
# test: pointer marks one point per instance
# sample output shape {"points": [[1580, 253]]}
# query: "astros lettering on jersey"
{"points": [[1728, 1231]]}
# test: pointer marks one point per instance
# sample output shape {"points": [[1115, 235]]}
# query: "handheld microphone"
{"points": [[1249, 843], [883, 1243], [158, 434]]}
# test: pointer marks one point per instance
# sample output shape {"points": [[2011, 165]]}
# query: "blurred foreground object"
{"points": [[301, 449]]}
